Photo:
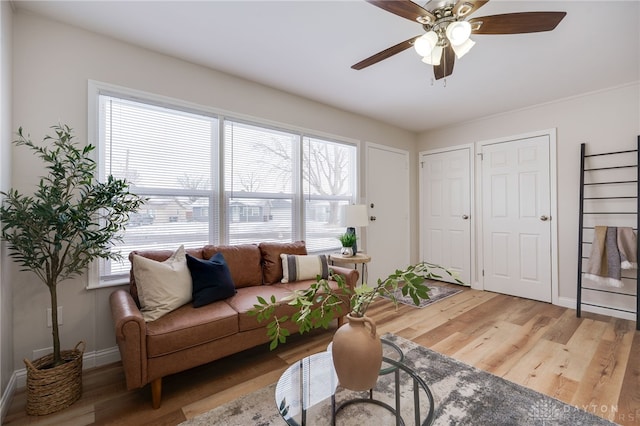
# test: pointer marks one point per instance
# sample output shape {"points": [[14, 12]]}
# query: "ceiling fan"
{"points": [[448, 30]]}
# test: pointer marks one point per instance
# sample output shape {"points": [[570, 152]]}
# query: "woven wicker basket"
{"points": [[52, 389]]}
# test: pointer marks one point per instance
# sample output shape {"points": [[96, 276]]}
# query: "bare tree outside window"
{"points": [[326, 169]]}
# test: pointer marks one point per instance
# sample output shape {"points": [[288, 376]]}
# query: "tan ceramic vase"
{"points": [[357, 353]]}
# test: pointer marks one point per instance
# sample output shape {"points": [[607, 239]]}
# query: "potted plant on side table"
{"points": [[70, 220], [347, 240], [356, 348]]}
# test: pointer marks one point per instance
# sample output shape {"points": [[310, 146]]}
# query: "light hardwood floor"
{"points": [[589, 362]]}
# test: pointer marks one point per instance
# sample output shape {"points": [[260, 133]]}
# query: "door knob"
{"points": [[372, 218], [465, 217], [544, 218]]}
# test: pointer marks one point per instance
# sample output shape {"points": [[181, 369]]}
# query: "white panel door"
{"points": [[516, 218], [388, 233], [446, 211]]}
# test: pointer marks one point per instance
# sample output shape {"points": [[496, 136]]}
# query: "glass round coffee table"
{"points": [[308, 393]]}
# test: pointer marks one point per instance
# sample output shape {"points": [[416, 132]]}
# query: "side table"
{"points": [[357, 259]]}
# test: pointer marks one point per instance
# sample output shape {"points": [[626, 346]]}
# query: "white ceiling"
{"points": [[307, 48]]}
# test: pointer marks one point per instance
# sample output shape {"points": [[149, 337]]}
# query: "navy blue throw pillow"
{"points": [[211, 279]]}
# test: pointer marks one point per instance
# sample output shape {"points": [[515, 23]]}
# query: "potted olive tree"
{"points": [[70, 220]]}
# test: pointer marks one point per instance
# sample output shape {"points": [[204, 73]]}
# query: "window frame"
{"points": [[218, 195]]}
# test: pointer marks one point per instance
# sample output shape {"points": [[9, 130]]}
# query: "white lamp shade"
{"points": [[434, 57], [356, 215], [462, 49], [458, 32], [425, 43]]}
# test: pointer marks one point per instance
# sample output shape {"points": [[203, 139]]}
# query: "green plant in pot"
{"points": [[347, 240], [356, 347], [70, 220]]}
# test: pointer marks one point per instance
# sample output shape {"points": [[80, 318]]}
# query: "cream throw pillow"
{"points": [[162, 286]]}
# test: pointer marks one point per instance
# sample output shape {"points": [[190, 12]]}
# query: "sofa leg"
{"points": [[156, 392]]}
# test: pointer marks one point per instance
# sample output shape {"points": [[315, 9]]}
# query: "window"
{"points": [[259, 183], [166, 155], [329, 183], [278, 184]]}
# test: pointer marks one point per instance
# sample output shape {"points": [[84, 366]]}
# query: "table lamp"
{"points": [[355, 215]]}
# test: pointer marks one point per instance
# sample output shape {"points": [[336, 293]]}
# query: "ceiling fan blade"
{"points": [[446, 63], [405, 9], [467, 7], [516, 23], [386, 53]]}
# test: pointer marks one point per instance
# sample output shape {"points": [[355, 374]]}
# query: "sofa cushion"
{"points": [[305, 284], [243, 261], [158, 255], [271, 262], [187, 327], [162, 286], [211, 279], [247, 297], [297, 267]]}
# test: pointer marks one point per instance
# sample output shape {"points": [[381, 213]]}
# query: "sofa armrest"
{"points": [[350, 275], [131, 331]]}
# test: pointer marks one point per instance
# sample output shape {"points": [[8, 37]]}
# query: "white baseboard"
{"points": [[612, 312], [7, 396], [18, 379], [100, 358]]}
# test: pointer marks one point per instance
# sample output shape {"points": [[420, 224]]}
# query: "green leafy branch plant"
{"points": [[70, 220], [319, 304]]}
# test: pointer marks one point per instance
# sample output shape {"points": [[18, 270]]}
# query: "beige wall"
{"points": [[6, 311], [607, 120], [52, 64]]}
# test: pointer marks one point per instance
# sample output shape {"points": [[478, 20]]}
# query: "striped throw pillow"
{"points": [[303, 267]]}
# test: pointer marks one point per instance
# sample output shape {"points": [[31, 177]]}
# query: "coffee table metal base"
{"points": [[311, 380], [418, 383]]}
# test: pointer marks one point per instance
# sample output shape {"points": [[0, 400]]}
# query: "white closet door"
{"points": [[446, 211], [516, 218]]}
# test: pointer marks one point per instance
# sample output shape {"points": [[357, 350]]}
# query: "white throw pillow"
{"points": [[303, 267], [162, 286]]}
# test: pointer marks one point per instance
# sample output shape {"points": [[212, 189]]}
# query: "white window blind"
{"points": [[279, 184], [260, 183], [329, 184], [168, 156]]}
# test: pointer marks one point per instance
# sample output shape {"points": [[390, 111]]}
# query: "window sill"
{"points": [[108, 284]]}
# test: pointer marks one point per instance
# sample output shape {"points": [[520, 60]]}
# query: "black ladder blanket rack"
{"points": [[635, 154]]}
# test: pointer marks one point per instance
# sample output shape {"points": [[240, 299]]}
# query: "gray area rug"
{"points": [[437, 292], [463, 396]]}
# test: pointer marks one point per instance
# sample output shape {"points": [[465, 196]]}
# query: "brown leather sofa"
{"points": [[188, 336]]}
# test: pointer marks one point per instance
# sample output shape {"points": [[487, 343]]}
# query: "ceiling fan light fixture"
{"points": [[458, 32], [464, 48], [426, 43], [434, 57], [447, 31]]}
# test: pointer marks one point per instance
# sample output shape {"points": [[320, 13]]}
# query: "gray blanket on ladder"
{"points": [[613, 249]]}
